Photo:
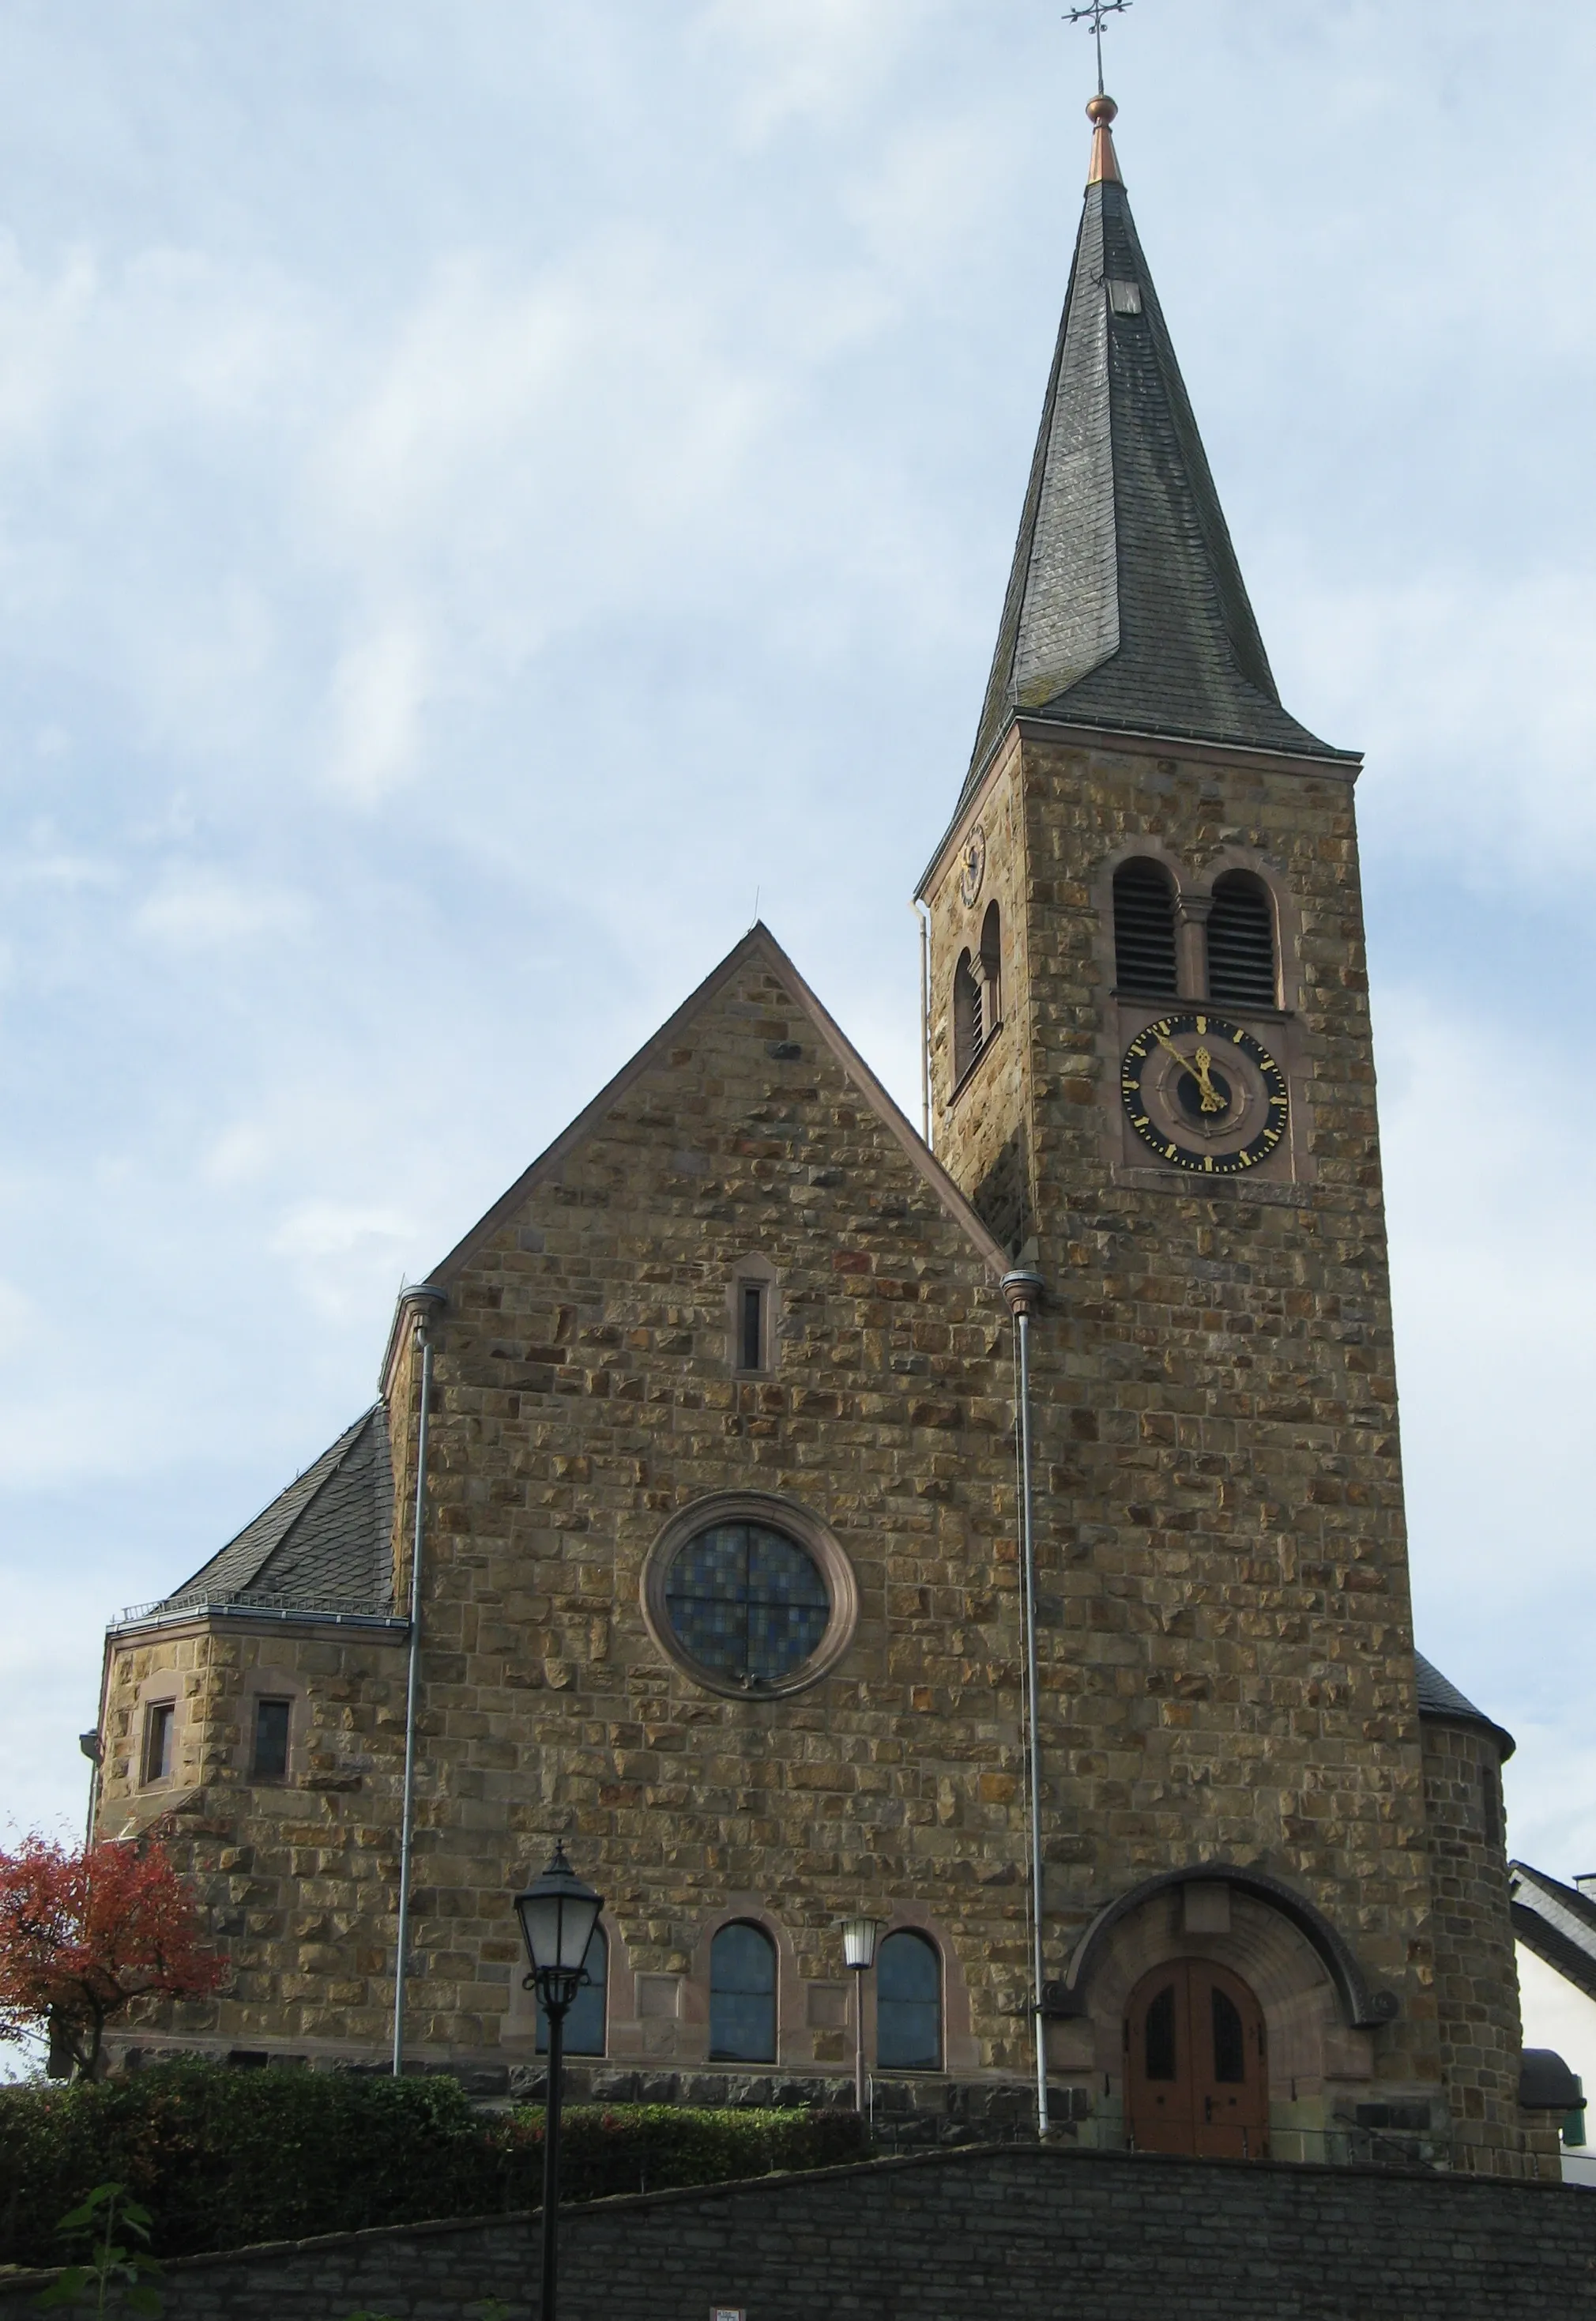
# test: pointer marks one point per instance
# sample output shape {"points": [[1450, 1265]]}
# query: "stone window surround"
{"points": [[639, 2002], [754, 1268], [803, 1524], [1193, 900], [165, 1685], [266, 1682]]}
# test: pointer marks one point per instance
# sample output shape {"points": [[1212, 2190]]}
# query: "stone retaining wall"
{"points": [[991, 2235]]}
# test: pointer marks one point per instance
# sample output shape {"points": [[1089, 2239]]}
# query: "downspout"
{"points": [[924, 916], [425, 1305], [92, 1748], [1023, 1291]]}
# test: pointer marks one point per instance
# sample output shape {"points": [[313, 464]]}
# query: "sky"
{"points": [[491, 498]]}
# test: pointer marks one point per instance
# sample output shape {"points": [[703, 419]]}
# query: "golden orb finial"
{"points": [[1101, 111]]}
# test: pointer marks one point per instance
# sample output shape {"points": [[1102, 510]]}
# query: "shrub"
{"points": [[222, 2158]]}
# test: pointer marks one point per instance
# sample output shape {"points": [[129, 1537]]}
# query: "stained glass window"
{"points": [[584, 2017], [908, 2005], [742, 1995], [746, 1602]]}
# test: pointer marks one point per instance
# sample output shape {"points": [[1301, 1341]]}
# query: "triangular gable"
{"points": [[761, 944]]}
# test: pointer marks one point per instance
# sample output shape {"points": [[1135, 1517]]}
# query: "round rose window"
{"points": [[747, 1603]]}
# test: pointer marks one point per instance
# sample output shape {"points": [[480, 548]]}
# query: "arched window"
{"points": [[1144, 930], [584, 2018], [1241, 942], [969, 1027], [742, 1995], [908, 2005], [992, 948]]}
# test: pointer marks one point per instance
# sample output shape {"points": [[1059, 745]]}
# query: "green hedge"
{"points": [[223, 2158]]}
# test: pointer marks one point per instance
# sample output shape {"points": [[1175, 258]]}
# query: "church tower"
{"points": [[1152, 1076]]}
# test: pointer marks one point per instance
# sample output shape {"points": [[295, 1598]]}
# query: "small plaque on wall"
{"points": [[729, 2313]]}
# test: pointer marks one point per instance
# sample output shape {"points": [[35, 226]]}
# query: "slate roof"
{"points": [[1439, 1698], [1557, 1923], [321, 1544], [1126, 606]]}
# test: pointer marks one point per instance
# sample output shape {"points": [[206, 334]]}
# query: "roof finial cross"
{"points": [[1093, 13]]}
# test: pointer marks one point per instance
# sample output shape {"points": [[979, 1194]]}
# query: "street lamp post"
{"points": [[558, 1915], [858, 1949]]}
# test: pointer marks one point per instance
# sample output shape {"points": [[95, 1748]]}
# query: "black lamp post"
{"points": [[558, 1915], [858, 1949]]}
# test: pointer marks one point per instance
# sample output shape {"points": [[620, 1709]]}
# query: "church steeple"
{"points": [[1126, 608]]}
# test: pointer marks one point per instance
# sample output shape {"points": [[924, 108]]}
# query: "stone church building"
{"points": [[723, 1577]]}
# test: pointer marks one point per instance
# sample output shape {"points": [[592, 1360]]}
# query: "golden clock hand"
{"points": [[1198, 1067], [1213, 1101]]}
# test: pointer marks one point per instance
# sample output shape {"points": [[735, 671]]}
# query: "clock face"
{"points": [[1205, 1095], [972, 867]]}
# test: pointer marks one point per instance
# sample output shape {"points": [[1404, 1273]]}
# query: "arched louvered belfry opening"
{"points": [[1241, 965], [1144, 930], [969, 1016], [991, 950]]}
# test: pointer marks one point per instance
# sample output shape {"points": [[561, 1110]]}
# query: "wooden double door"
{"points": [[1196, 2063]]}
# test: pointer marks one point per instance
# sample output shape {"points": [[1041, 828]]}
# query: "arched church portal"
{"points": [[1196, 2063]]}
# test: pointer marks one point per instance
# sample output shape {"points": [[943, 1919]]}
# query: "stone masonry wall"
{"points": [[980, 2237], [585, 1394], [1476, 1979], [1226, 1646], [298, 1877]]}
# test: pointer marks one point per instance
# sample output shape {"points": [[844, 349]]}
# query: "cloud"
{"points": [[821, 61], [339, 1250], [198, 909], [1473, 695], [379, 691]]}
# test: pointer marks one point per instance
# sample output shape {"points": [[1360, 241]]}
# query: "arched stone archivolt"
{"points": [[1318, 2010]]}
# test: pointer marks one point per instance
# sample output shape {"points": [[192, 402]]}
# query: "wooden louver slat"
{"points": [[1144, 932]]}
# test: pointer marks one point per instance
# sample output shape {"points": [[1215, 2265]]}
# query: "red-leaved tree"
{"points": [[85, 1932]]}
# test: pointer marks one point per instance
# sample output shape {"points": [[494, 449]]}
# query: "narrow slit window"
{"points": [[159, 1718], [1241, 942], [1491, 1803], [1144, 932], [270, 1759], [750, 1325]]}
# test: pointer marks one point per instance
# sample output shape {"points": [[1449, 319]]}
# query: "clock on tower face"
{"points": [[1205, 1095], [972, 867]]}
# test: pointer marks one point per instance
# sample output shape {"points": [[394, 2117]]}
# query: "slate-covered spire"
{"points": [[1126, 608]]}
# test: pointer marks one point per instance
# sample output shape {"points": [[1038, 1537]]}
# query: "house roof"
{"points": [[1557, 1923], [321, 1546], [1439, 1697], [1125, 607]]}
